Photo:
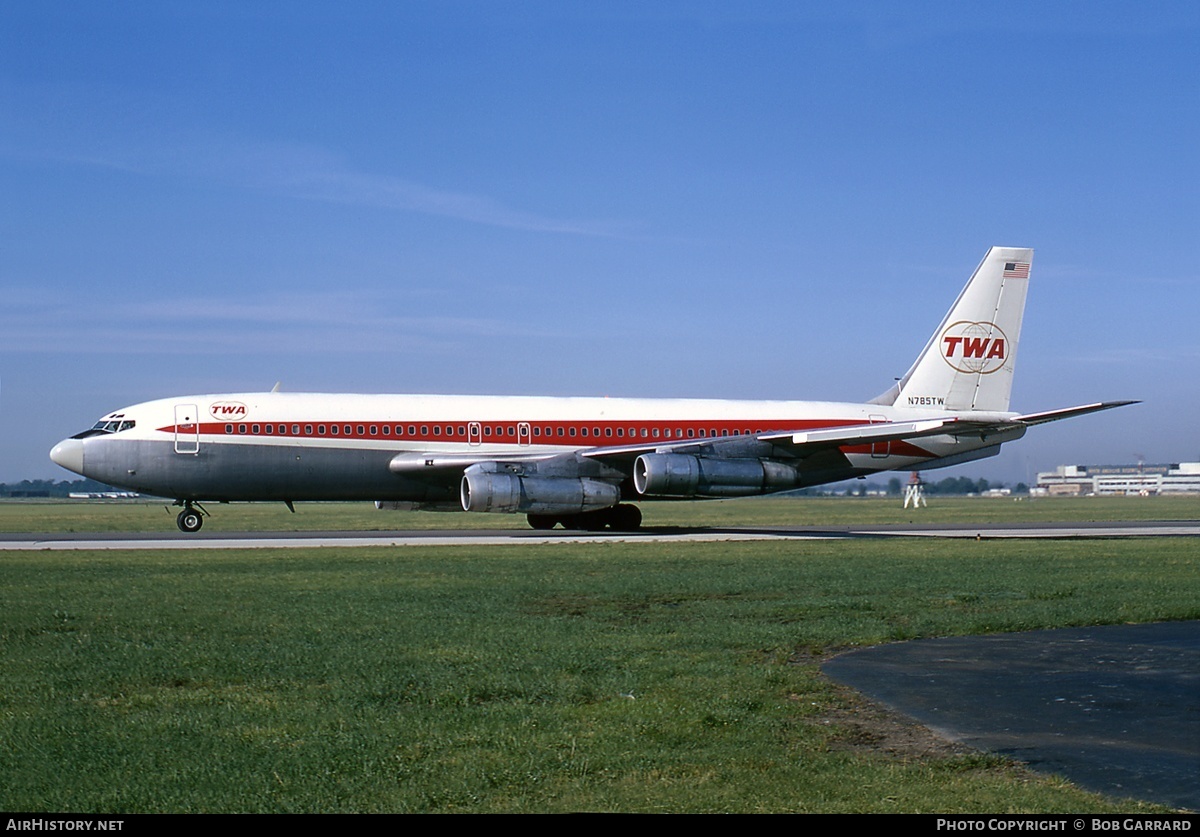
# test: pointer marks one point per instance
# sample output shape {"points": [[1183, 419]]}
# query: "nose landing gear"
{"points": [[191, 518]]}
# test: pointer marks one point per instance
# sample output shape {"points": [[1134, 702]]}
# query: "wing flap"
{"points": [[860, 434]]}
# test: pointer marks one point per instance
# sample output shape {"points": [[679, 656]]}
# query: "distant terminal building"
{"points": [[104, 495], [1178, 478]]}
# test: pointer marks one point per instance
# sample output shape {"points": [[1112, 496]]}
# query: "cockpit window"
{"points": [[105, 426]]}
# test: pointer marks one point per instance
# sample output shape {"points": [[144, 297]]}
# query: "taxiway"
{"points": [[523, 537]]}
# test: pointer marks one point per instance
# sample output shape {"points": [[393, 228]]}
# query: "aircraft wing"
{"points": [[801, 443], [785, 444]]}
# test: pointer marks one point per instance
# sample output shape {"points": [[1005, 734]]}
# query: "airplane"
{"points": [[581, 463]]}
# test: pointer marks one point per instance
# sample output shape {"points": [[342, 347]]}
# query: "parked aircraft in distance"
{"points": [[577, 462]]}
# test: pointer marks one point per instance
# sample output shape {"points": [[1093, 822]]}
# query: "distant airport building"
{"points": [[104, 495], [1178, 478]]}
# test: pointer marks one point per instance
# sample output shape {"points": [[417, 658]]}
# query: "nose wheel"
{"points": [[190, 519]]}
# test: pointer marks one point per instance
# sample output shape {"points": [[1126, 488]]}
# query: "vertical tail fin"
{"points": [[968, 362]]}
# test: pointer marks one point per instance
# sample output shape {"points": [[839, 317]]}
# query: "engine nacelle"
{"points": [[499, 492], [681, 475]]}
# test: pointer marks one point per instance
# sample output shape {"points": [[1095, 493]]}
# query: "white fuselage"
{"points": [[291, 446]]}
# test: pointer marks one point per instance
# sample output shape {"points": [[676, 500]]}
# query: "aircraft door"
{"points": [[523, 433], [474, 433], [187, 429], [880, 450]]}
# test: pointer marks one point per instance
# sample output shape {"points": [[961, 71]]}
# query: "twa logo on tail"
{"points": [[979, 348]]}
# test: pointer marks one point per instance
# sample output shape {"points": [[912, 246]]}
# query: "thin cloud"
{"points": [[308, 173], [297, 324]]}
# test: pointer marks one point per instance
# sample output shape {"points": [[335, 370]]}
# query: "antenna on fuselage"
{"points": [[278, 387]]}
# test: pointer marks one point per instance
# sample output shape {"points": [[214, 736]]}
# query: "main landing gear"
{"points": [[620, 518], [191, 518]]}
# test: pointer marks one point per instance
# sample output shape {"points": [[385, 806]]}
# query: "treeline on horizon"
{"points": [[960, 486], [50, 488]]}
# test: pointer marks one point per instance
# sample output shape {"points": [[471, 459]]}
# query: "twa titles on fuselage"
{"points": [[579, 462]]}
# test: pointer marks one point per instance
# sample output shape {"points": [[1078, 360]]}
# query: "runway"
{"points": [[530, 537]]}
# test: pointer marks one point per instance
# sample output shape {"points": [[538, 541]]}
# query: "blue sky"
{"points": [[750, 200]]}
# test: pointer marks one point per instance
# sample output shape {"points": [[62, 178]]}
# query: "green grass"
{"points": [[97, 516], [608, 677]]}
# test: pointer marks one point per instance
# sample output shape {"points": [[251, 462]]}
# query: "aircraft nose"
{"points": [[69, 454]]}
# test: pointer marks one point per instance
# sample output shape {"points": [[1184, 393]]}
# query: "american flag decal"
{"points": [[1016, 270]]}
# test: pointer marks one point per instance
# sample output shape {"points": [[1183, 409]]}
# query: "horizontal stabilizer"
{"points": [[1071, 412]]}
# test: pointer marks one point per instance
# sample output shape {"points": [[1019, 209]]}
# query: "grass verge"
{"points": [[609, 677]]}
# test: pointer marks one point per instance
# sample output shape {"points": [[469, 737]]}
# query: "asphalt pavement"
{"points": [[1114, 709]]}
